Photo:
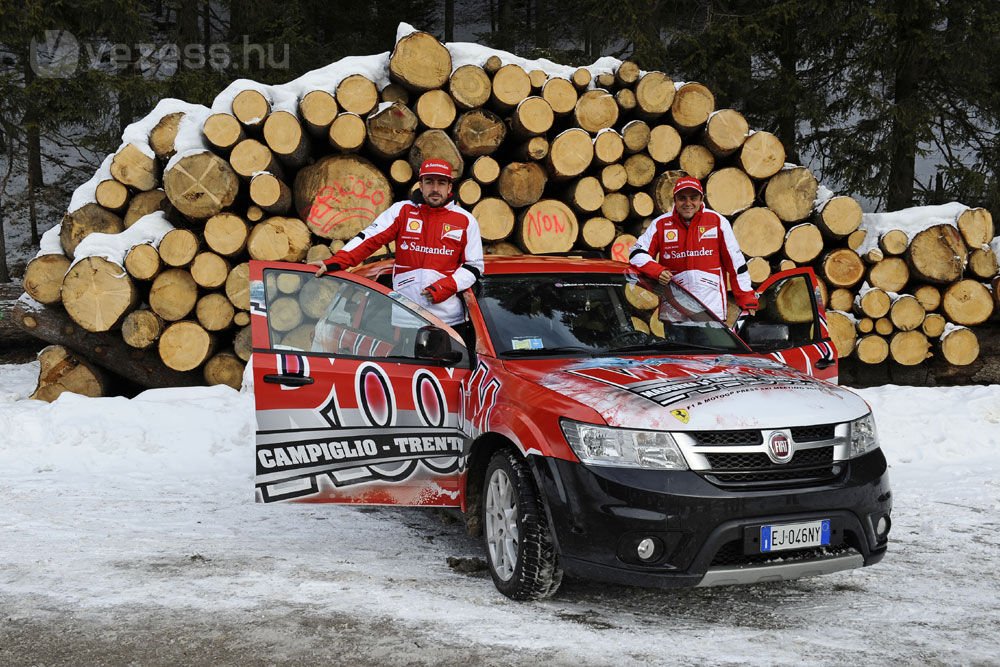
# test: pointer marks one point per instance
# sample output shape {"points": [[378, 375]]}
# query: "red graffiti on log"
{"points": [[337, 203]]}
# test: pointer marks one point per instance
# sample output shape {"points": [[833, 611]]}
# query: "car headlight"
{"points": [[864, 437], [623, 448]]}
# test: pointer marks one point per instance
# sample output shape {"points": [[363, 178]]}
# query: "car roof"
{"points": [[517, 264]]}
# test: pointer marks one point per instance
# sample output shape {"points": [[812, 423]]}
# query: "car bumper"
{"points": [[705, 534]]}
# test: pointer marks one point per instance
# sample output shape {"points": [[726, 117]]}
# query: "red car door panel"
{"points": [[345, 412]]}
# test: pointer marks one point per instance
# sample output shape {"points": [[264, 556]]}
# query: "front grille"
{"points": [[813, 433], [807, 466], [731, 554], [760, 461], [727, 438]]}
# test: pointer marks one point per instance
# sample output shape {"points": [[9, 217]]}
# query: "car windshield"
{"points": [[548, 314]]}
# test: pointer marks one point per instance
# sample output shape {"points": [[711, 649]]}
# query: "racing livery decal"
{"points": [[359, 422]]}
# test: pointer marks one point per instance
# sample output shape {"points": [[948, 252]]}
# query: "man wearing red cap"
{"points": [[695, 247], [439, 251]]}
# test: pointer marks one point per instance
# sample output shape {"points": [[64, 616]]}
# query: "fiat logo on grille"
{"points": [[779, 448]]}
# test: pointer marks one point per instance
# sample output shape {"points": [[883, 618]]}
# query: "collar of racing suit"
{"points": [[695, 219]]}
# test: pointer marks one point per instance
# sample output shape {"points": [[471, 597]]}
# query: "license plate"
{"points": [[784, 536]]}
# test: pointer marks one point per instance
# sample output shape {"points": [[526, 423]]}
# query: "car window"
{"points": [[789, 304], [537, 314], [330, 315]]}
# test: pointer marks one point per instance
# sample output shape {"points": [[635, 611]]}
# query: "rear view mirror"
{"points": [[434, 343], [765, 336]]}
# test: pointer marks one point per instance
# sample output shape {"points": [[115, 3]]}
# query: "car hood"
{"points": [[694, 393]]}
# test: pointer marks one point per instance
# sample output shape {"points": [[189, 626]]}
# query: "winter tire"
{"points": [[519, 545]]}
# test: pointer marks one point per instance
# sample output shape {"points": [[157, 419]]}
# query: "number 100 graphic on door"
{"points": [[361, 432]]}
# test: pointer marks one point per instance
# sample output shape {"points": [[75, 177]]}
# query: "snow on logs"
{"points": [[548, 158]]}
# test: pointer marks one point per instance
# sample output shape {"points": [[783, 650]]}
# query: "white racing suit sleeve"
{"points": [[735, 256], [466, 275]]}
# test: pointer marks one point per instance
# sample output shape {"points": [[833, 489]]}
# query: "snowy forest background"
{"points": [[895, 102]]}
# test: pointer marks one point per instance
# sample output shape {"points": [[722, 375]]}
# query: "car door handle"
{"points": [[290, 380], [824, 363]]}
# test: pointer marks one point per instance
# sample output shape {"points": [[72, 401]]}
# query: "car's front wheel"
{"points": [[519, 546]]}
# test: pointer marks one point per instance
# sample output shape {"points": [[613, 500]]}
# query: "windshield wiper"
{"points": [[548, 350], [664, 345]]}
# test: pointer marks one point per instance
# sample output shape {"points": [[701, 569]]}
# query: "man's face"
{"points": [[687, 202], [435, 190]]}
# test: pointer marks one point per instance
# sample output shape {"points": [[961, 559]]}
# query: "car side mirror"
{"points": [[435, 344], [764, 335]]}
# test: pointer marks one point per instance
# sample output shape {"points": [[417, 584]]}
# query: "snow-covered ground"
{"points": [[129, 536]]}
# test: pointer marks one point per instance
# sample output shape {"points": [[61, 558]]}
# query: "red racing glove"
{"points": [[747, 301], [441, 290]]}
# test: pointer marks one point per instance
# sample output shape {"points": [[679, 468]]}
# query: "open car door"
{"points": [[357, 392], [790, 324]]}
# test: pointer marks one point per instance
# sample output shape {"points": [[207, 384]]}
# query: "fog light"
{"points": [[646, 548], [882, 527]]}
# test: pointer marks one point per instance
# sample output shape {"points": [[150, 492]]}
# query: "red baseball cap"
{"points": [[688, 183], [435, 167]]}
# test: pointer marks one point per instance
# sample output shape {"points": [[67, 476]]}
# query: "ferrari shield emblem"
{"points": [[681, 415]]}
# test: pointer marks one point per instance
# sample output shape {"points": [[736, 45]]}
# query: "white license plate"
{"points": [[784, 536]]}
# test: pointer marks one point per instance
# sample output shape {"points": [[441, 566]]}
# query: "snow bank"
{"points": [[911, 221]]}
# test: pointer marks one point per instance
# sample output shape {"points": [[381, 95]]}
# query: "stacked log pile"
{"points": [[548, 158], [907, 294]]}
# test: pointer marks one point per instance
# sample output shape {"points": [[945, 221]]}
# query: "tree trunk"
{"points": [[729, 191], [347, 132], [173, 295], [142, 328], [976, 227], [470, 87], [841, 333], [226, 368], [106, 349], [937, 255], [43, 278], [967, 302], [143, 262], [842, 268], [178, 247], [251, 108], [909, 348], [184, 346], [725, 132], [392, 130], [890, 274], [436, 110], [871, 349], [201, 185], [570, 154], [692, 105], [478, 132], [522, 183], [790, 194], [960, 347], [85, 221], [97, 294], [762, 155], [340, 195], [419, 62], [548, 226], [285, 136], [496, 218], [279, 239], [838, 217], [60, 370]]}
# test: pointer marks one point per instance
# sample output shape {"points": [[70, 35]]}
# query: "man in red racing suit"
{"points": [[439, 251], [695, 247]]}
